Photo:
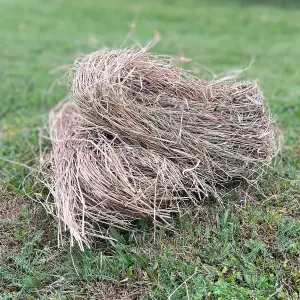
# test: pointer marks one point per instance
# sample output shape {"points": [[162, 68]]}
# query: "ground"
{"points": [[246, 248]]}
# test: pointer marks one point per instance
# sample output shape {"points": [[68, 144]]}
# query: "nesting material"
{"points": [[139, 137]]}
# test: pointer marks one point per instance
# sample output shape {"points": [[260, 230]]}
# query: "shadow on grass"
{"points": [[276, 3]]}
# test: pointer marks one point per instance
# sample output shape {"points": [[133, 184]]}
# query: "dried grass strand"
{"points": [[139, 137]]}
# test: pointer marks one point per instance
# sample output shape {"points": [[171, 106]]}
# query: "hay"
{"points": [[139, 137]]}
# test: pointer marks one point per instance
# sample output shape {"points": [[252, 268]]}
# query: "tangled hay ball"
{"points": [[139, 137]]}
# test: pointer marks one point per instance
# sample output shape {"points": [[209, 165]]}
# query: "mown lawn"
{"points": [[247, 248]]}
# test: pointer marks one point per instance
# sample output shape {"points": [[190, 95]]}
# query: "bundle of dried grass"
{"points": [[139, 136]]}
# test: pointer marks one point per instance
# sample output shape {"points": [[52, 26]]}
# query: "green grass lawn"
{"points": [[228, 251]]}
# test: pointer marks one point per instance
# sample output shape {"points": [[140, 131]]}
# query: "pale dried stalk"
{"points": [[140, 136]]}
